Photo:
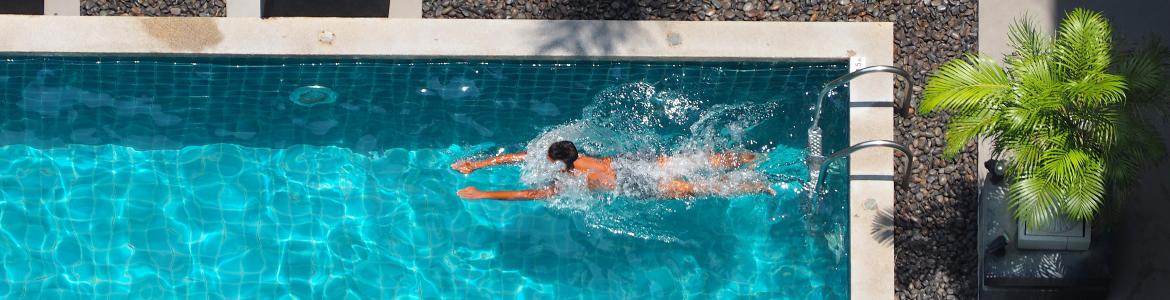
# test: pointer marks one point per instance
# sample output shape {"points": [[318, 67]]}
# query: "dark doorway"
{"points": [[22, 7], [333, 8]]}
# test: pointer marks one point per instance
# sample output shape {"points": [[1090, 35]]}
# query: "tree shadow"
{"points": [[882, 227], [582, 37], [588, 38], [935, 231]]}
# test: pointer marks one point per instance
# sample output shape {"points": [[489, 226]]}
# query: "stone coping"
{"points": [[863, 44]]}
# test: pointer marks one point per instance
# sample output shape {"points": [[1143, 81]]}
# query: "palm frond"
{"points": [[1062, 166], [1026, 158], [1101, 125], [1084, 44], [1095, 89], [964, 128], [1026, 40], [1083, 195], [1037, 83], [1032, 200], [977, 83]]}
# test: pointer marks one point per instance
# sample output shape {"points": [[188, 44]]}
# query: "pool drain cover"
{"points": [[312, 95]]}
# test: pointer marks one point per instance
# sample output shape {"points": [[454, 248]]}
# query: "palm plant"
{"points": [[1069, 120]]}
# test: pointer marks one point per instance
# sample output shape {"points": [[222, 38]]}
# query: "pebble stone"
{"points": [[154, 8]]}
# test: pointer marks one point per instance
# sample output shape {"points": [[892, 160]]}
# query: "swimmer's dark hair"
{"points": [[563, 151]]}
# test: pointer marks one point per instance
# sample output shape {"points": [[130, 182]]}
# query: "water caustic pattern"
{"points": [[197, 178]]}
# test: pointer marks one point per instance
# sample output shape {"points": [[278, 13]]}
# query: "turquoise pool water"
{"points": [[194, 178]]}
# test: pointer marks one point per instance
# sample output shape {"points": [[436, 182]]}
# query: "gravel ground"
{"points": [[935, 218], [154, 8]]}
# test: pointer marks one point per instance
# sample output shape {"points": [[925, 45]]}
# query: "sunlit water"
{"points": [[114, 185]]}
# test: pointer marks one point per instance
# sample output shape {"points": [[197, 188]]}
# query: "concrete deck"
{"points": [[62, 7]]}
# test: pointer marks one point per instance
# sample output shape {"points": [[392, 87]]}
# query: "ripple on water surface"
{"points": [[324, 222], [158, 178]]}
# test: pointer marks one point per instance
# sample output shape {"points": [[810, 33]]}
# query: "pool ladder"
{"points": [[818, 164]]}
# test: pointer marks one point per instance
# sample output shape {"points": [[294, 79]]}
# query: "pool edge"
{"points": [[863, 44]]}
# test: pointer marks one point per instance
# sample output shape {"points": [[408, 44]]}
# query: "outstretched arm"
{"points": [[472, 193], [467, 166]]}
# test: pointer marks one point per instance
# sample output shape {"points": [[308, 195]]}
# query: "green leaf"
{"points": [[1096, 89], [1027, 157], [1061, 166], [977, 83], [964, 128], [1028, 42], [1084, 194], [1084, 44], [1032, 200]]}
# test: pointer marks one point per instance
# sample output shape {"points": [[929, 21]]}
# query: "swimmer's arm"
{"points": [[472, 193], [467, 166]]}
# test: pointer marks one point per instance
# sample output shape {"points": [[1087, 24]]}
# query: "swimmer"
{"points": [[600, 175]]}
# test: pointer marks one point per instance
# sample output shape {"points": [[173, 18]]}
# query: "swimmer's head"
{"points": [[563, 151]]}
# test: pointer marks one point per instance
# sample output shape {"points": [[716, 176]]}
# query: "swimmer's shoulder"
{"points": [[606, 160], [603, 163]]}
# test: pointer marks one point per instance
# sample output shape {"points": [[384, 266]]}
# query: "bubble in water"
{"points": [[454, 89], [679, 108]]}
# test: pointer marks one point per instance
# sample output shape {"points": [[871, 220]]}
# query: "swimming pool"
{"points": [[199, 177]]}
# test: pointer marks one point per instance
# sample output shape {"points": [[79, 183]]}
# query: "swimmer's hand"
{"points": [[463, 166], [470, 193]]}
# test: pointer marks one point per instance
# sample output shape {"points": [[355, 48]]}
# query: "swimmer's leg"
{"points": [[730, 160], [679, 189], [719, 161]]}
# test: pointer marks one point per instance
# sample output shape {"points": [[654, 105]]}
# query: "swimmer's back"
{"points": [[599, 172]]}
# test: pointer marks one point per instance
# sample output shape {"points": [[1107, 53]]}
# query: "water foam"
{"points": [[636, 124]]}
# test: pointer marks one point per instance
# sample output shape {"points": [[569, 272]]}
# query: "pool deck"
{"points": [[862, 44]]}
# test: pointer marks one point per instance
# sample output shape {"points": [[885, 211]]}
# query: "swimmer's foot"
{"points": [[748, 159], [755, 162], [769, 190]]}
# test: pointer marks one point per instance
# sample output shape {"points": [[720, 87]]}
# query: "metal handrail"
{"points": [[815, 192], [907, 89], [818, 163], [867, 144], [815, 157]]}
